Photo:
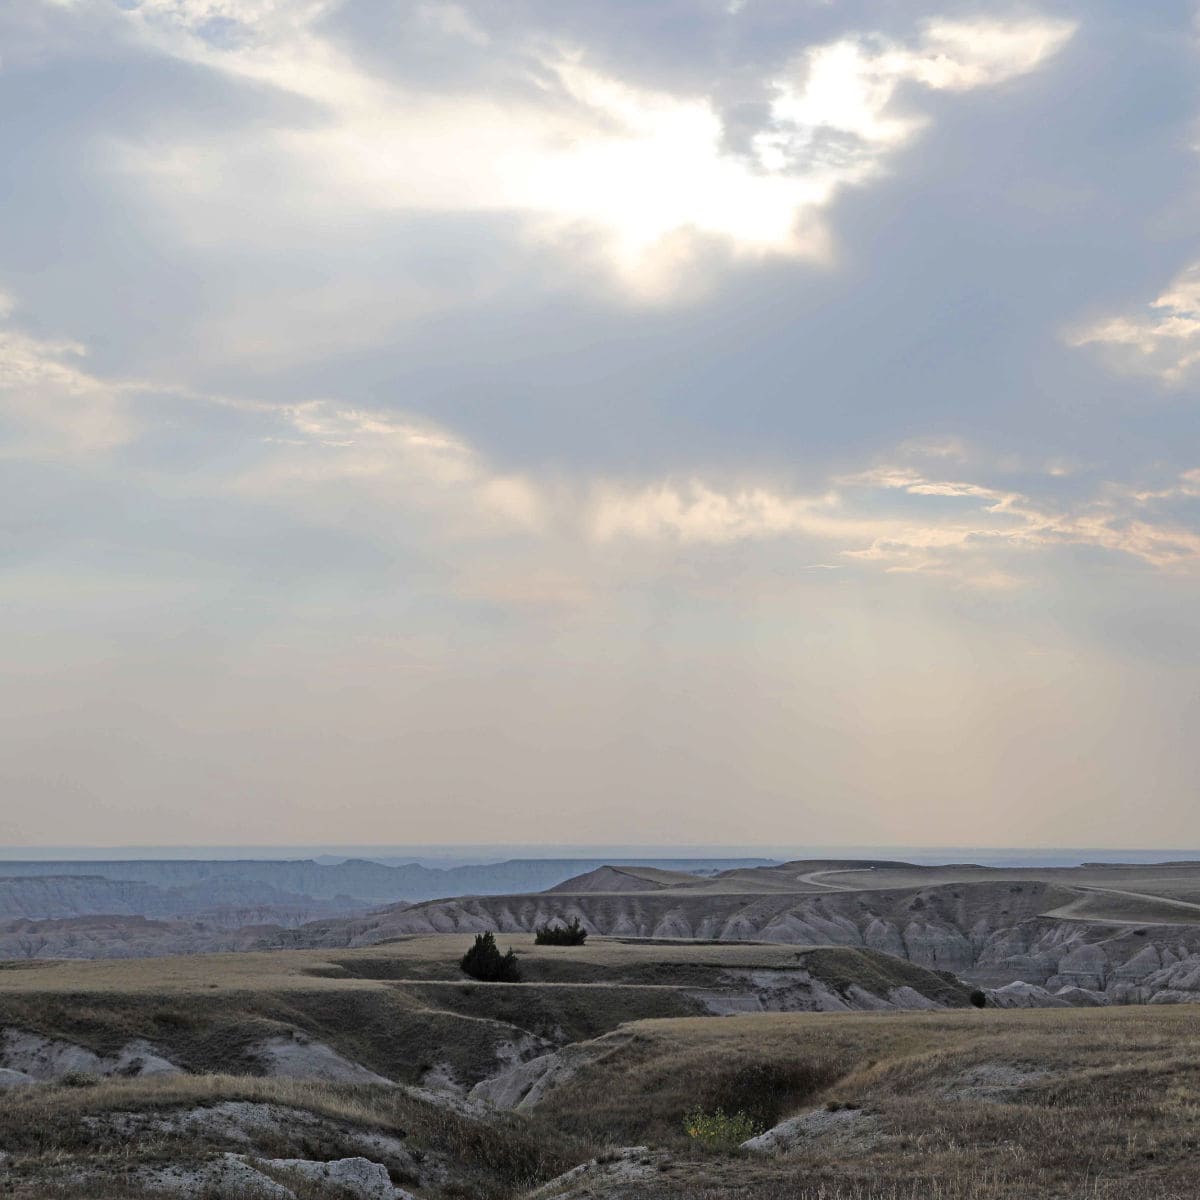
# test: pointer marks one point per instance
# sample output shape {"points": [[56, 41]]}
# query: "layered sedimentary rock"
{"points": [[990, 934]]}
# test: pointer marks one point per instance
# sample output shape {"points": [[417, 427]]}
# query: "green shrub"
{"points": [[484, 961], [719, 1129], [978, 999], [573, 934]]}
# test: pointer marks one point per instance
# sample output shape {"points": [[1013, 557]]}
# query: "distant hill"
{"points": [[360, 883], [227, 901], [624, 879]]}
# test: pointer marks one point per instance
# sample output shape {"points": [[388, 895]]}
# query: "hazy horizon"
{"points": [[703, 422], [463, 855]]}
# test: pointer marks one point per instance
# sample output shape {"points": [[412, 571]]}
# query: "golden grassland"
{"points": [[605, 962], [601, 960]]}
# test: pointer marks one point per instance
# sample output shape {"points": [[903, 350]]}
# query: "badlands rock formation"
{"points": [[1094, 934], [1076, 941]]}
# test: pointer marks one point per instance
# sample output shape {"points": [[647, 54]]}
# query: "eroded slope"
{"points": [[992, 927]]}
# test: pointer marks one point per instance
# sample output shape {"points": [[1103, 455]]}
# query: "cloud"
{"points": [[1111, 519], [848, 87], [637, 181], [393, 478], [1165, 343], [339, 462], [398, 479], [51, 406], [338, 434], [696, 512], [960, 529], [332, 461]]}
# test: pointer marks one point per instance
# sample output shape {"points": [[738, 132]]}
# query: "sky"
{"points": [[755, 422]]}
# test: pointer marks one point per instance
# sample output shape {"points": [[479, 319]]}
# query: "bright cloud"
{"points": [[943, 537], [961, 528], [645, 174], [848, 87], [1165, 343]]}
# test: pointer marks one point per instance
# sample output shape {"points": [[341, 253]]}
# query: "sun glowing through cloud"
{"points": [[646, 174]]}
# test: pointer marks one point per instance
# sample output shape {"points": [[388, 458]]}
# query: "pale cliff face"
{"points": [[990, 933]]}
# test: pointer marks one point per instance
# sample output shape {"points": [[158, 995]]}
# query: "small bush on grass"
{"points": [[978, 999], [573, 934], [720, 1130], [764, 1091], [484, 961]]}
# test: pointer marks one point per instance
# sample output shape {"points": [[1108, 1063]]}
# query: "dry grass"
{"points": [[56, 1127], [752, 1182], [415, 958], [1094, 1103], [208, 1012], [384, 1028], [401, 1008]]}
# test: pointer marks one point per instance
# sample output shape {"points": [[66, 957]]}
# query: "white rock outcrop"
{"points": [[43, 1060], [227, 1174], [357, 1178], [252, 1178], [299, 1057], [850, 1129], [1024, 995], [525, 1084], [604, 1176]]}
